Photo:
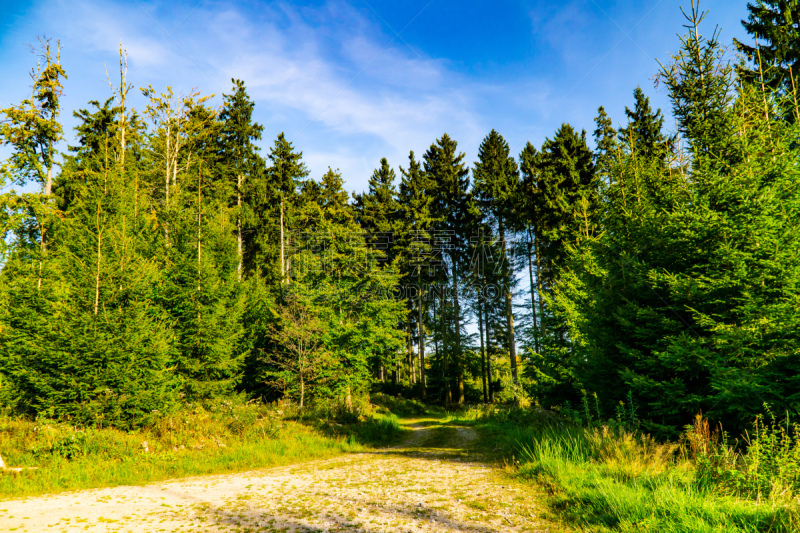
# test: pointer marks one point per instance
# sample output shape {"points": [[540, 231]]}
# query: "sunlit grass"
{"points": [[220, 438], [612, 479]]}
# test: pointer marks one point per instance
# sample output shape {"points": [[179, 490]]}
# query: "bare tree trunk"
{"points": [[533, 293], [42, 227], [489, 358], [302, 391], [167, 155], [239, 223], [282, 258], [444, 358], [48, 188], [483, 351], [199, 221], [540, 288], [97, 269], [512, 342], [409, 355], [421, 333], [457, 355]]}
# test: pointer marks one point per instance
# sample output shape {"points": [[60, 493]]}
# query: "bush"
{"points": [[612, 478], [769, 470]]}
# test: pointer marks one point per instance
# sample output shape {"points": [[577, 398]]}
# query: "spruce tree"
{"points": [[682, 302], [272, 206], [606, 145], [645, 130], [93, 347], [774, 56], [414, 245], [700, 84], [496, 188], [239, 162], [445, 167]]}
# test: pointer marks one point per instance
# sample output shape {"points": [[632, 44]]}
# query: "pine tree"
{"points": [[91, 347], [644, 132], [496, 187], [606, 145], [239, 158], [682, 301], [700, 84], [445, 167], [376, 210], [775, 55], [272, 203], [414, 245]]}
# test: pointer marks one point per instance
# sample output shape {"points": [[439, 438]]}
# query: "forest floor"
{"points": [[439, 479]]}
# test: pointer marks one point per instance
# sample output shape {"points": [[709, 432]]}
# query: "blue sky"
{"points": [[352, 81]]}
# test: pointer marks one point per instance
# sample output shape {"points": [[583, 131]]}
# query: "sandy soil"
{"points": [[430, 483]]}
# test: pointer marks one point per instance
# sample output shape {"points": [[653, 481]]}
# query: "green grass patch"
{"points": [[612, 479], [221, 438]]}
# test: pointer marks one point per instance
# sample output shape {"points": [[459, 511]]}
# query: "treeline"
{"points": [[167, 260]]}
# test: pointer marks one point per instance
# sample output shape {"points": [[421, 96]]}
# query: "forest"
{"points": [[167, 259]]}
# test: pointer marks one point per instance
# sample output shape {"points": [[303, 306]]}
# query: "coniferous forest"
{"points": [[168, 259]]}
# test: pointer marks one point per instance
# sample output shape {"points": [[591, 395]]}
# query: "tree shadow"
{"points": [[253, 518]]}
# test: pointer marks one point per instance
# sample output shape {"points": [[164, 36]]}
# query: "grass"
{"points": [[215, 438], [612, 479]]}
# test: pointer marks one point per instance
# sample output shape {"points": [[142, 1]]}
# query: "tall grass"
{"points": [[613, 478]]}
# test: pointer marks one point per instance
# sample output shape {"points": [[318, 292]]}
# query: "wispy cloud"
{"points": [[344, 85]]}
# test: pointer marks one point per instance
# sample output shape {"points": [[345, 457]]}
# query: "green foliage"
{"points": [[211, 437], [774, 56], [684, 298], [614, 479], [769, 470]]}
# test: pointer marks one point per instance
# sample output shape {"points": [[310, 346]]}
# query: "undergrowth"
{"points": [[610, 476], [202, 438]]}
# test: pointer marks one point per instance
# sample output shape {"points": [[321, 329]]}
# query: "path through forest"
{"points": [[435, 481]]}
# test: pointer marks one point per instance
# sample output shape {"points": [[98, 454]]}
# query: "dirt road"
{"points": [[433, 482]]}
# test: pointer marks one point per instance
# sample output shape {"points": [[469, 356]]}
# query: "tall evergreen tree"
{"points": [[645, 130], [239, 160], [496, 187], [272, 205], [606, 145], [700, 84], [414, 245], [774, 56], [445, 167]]}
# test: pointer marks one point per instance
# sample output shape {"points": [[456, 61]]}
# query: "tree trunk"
{"points": [[512, 342], [421, 334], [166, 188], [409, 354], [97, 269], [533, 293], [483, 351], [302, 391], [282, 258], [489, 358], [239, 224], [444, 357], [457, 356], [540, 288], [199, 221]]}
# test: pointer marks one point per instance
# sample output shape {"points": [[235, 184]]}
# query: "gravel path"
{"points": [[430, 483]]}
